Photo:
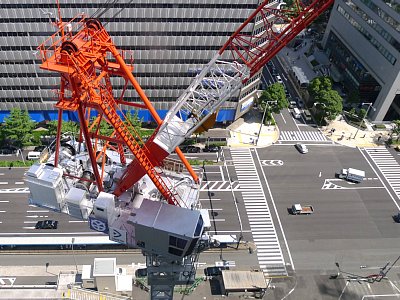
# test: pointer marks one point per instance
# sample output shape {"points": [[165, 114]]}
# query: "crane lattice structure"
{"points": [[83, 53], [241, 57]]}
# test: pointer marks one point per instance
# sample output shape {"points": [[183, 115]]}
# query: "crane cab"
{"points": [[174, 231]]}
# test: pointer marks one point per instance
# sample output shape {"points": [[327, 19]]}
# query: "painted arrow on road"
{"points": [[9, 281], [272, 162]]}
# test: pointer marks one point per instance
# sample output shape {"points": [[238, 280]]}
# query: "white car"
{"points": [[302, 148], [279, 79]]}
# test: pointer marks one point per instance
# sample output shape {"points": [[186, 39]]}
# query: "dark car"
{"points": [[211, 148], [141, 272], [190, 149], [6, 151], [46, 224], [39, 148], [300, 102], [214, 271]]}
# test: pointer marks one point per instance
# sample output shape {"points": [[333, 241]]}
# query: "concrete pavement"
{"points": [[244, 133]]}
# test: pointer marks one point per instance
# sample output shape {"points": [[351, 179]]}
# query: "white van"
{"points": [[296, 113], [33, 155]]}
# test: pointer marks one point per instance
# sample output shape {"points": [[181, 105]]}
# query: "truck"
{"points": [[351, 174], [297, 209]]}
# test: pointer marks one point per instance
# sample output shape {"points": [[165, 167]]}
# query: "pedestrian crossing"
{"points": [[269, 252], [302, 136], [388, 166]]}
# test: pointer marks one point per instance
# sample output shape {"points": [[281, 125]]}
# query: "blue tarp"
{"points": [[41, 115]]}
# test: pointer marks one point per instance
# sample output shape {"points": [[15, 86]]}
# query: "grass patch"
{"points": [[16, 163], [379, 126], [199, 162]]}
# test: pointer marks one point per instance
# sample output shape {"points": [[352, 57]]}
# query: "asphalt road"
{"points": [[352, 223]]}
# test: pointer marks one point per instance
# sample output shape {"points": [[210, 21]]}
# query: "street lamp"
{"points": [[73, 254], [366, 113], [262, 119]]}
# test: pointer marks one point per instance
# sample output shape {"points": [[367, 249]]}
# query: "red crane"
{"points": [[86, 58], [243, 55]]}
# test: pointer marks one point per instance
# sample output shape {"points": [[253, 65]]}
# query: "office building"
{"points": [[362, 40], [170, 40]]}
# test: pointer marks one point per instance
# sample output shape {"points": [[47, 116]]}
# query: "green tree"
{"points": [[318, 84], [333, 103], [51, 126], [70, 126], [17, 128], [105, 128], [133, 122], [273, 98], [396, 129], [361, 113]]}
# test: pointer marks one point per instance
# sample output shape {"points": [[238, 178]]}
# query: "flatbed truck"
{"points": [[297, 209]]}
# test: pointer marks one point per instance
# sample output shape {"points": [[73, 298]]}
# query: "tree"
{"points": [[322, 83], [52, 127], [333, 103], [273, 98], [17, 128], [396, 129], [70, 126], [132, 120]]}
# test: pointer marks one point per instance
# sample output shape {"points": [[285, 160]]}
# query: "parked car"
{"points": [[214, 271], [279, 79], [46, 224], [300, 102], [141, 272], [190, 149], [39, 148], [211, 148], [6, 151], [302, 148], [292, 104]]}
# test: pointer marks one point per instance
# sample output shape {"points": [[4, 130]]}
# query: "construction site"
{"points": [[149, 202]]}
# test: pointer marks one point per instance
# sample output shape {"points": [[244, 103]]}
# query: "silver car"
{"points": [[302, 148]]}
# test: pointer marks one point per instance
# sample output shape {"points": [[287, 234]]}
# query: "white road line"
{"points": [[212, 199], [283, 118], [390, 194], [261, 224], [276, 212], [1, 174], [2, 211], [77, 221], [36, 211], [19, 182], [3, 182], [217, 220], [4, 201], [222, 173]]}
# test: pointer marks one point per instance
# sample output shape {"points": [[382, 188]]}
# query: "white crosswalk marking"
{"points": [[388, 166], [302, 136], [269, 251]]}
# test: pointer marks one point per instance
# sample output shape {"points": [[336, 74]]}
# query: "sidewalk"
{"points": [[244, 132], [347, 135]]}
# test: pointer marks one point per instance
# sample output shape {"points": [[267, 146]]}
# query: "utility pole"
{"points": [[365, 115], [262, 119]]}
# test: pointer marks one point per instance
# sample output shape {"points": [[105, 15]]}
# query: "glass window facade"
{"points": [[388, 55], [167, 39], [355, 75]]}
